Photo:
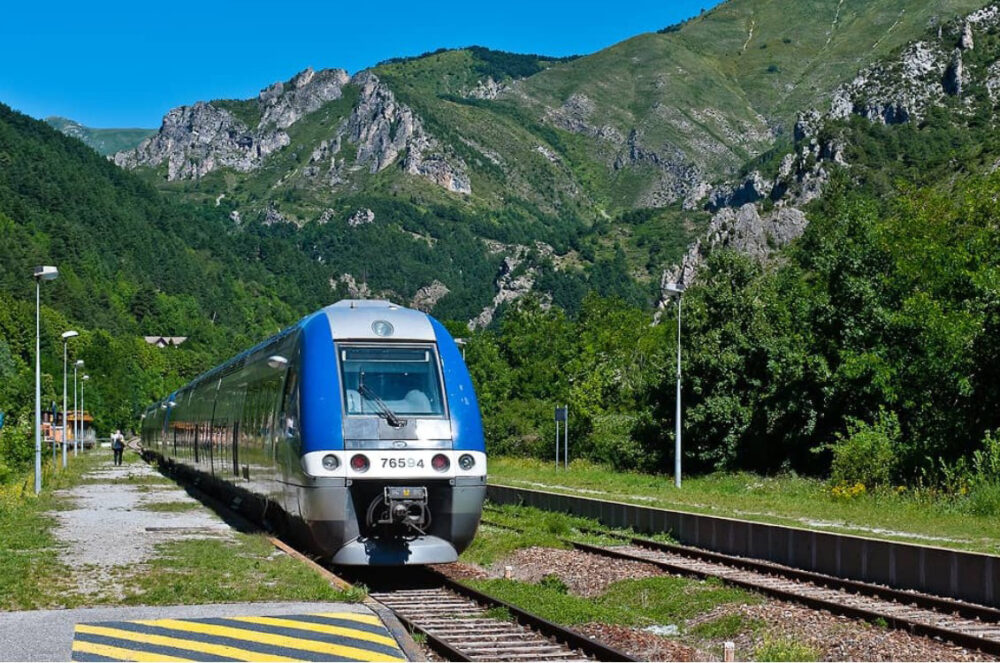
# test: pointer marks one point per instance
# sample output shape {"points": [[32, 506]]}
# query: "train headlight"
{"points": [[330, 462], [359, 463], [440, 463], [382, 328], [466, 461]]}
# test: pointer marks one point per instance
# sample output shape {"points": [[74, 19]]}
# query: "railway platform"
{"points": [[216, 632], [144, 571]]}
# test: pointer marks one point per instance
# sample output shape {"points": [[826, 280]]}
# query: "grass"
{"points": [[785, 500], [32, 573], [246, 568], [536, 528], [726, 627], [659, 600], [784, 649], [499, 613]]}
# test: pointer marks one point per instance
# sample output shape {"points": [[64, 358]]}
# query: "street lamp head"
{"points": [[85, 377], [70, 334], [46, 272], [674, 288], [78, 363], [277, 362]]}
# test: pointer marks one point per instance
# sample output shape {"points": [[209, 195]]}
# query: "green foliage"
{"points": [[784, 649], [726, 627], [599, 362], [501, 64], [867, 452], [554, 582]]}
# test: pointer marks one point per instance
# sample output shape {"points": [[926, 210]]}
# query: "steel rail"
{"points": [[980, 620], [929, 601], [572, 641], [962, 638], [569, 637]]}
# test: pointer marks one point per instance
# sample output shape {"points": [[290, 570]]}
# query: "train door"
{"points": [[219, 419], [236, 408]]}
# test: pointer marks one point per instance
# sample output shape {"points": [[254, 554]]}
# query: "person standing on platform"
{"points": [[118, 445]]}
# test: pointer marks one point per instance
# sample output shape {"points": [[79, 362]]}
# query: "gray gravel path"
{"points": [[107, 526]]}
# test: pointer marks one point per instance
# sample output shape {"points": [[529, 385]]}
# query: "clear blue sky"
{"points": [[123, 64]]}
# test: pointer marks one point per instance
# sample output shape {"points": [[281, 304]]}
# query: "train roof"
{"points": [[349, 319], [377, 319]]}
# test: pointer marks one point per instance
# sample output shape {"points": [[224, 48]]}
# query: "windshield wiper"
{"points": [[394, 420]]}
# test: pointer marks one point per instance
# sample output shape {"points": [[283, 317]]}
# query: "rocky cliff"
{"points": [[620, 158], [942, 71], [208, 136]]}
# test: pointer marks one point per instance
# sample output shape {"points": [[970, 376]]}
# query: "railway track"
{"points": [[456, 620], [460, 625], [964, 624]]}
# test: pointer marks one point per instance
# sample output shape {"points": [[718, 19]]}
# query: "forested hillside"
{"points": [[131, 263], [489, 187], [866, 350], [569, 174]]}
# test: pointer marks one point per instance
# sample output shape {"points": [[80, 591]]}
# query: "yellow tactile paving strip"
{"points": [[331, 636]]}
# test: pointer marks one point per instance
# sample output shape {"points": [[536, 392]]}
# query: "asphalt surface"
{"points": [[47, 635]]}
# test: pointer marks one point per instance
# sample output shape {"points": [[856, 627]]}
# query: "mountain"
{"points": [[925, 115], [854, 146], [592, 173], [131, 263], [105, 141]]}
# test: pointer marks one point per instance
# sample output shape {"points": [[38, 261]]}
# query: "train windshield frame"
{"points": [[406, 378]]}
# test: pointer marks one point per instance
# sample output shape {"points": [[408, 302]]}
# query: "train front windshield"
{"points": [[406, 379]]}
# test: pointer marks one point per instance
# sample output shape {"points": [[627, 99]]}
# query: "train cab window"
{"points": [[404, 379]]}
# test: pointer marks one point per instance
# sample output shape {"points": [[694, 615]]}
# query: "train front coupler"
{"points": [[404, 506]]}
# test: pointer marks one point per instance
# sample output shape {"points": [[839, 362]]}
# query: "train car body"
{"points": [[360, 423]]}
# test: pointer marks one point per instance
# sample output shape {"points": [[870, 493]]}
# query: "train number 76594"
{"points": [[402, 462]]}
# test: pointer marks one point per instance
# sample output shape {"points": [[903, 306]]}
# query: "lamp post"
{"points": [[65, 440], [78, 364], [677, 290], [83, 409], [42, 273]]}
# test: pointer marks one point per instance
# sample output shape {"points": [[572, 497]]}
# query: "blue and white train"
{"points": [[359, 423]]}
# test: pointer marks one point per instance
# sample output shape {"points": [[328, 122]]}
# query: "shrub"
{"points": [[866, 454], [986, 460], [521, 428], [611, 441]]}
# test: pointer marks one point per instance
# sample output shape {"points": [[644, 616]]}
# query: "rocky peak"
{"points": [[383, 129], [195, 140], [897, 90], [966, 42], [427, 297], [283, 105], [487, 89], [515, 278], [901, 89]]}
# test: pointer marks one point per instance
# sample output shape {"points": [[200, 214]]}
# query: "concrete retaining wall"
{"points": [[952, 573]]}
